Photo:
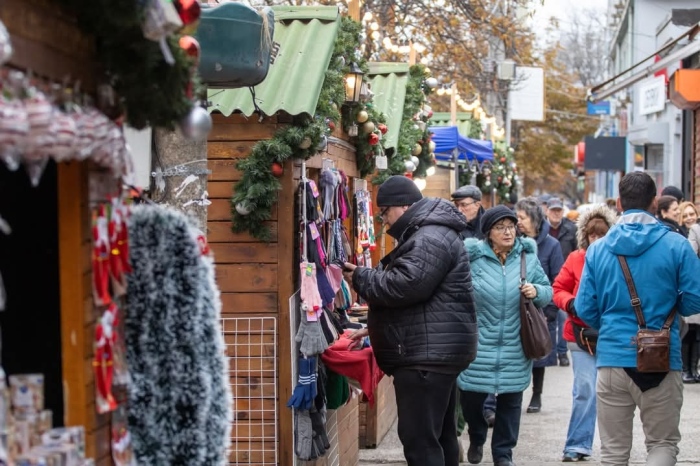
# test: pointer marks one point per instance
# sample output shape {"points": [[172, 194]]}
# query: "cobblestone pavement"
{"points": [[542, 435]]}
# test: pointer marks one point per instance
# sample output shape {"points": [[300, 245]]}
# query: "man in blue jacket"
{"points": [[666, 273]]}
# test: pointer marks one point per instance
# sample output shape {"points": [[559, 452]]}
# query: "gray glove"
{"points": [[303, 431], [318, 422], [310, 335]]}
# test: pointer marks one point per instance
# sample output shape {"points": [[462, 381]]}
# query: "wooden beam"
{"points": [[354, 7], [72, 203]]}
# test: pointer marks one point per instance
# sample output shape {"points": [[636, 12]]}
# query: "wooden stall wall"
{"points": [[695, 196], [438, 185]]}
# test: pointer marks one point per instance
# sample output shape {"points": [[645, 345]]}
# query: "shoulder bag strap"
{"points": [[669, 319], [635, 301], [523, 269]]}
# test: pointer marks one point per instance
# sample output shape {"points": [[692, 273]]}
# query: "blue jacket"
{"points": [[665, 271], [500, 365]]}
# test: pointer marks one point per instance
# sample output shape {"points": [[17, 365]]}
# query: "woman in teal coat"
{"points": [[500, 366]]}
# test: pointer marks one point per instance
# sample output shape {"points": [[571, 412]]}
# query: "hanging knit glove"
{"points": [[303, 433], [318, 422], [310, 335], [305, 392], [309, 286]]}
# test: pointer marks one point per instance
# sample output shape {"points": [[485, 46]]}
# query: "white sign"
{"points": [[652, 95], [526, 97]]}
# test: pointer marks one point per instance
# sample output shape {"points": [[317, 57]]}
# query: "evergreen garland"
{"points": [[152, 91], [499, 175]]}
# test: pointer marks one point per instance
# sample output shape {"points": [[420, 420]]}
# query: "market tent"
{"points": [[448, 140], [463, 121]]}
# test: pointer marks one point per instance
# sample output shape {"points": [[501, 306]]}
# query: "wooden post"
{"points": [[411, 54], [453, 105], [354, 7]]}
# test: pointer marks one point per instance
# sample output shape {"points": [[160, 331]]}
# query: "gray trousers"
{"points": [[660, 412]]}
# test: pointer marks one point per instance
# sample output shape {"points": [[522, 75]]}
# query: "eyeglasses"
{"points": [[504, 228], [464, 204], [384, 211]]}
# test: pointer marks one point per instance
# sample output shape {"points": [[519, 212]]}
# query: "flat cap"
{"points": [[467, 191]]}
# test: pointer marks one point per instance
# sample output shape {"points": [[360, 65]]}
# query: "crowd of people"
{"points": [[445, 318]]}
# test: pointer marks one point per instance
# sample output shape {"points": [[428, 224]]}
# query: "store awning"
{"points": [[448, 140], [646, 69], [388, 82], [304, 39], [463, 123]]}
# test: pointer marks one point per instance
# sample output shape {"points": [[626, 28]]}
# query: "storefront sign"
{"points": [[652, 95], [600, 108]]}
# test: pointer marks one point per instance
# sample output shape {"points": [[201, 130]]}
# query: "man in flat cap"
{"points": [[468, 200]]}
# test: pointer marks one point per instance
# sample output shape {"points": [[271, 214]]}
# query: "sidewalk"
{"points": [[542, 435]]}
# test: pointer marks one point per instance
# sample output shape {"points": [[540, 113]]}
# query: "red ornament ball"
{"points": [[503, 160], [500, 178], [277, 169], [331, 126], [191, 47], [188, 10], [373, 139], [383, 128]]}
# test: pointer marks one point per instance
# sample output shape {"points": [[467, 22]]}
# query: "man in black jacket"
{"points": [[468, 200], [421, 320]]}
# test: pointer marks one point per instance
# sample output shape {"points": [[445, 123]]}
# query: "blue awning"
{"points": [[447, 139]]}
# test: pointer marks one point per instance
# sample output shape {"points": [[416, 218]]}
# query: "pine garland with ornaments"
{"points": [[256, 192], [149, 65], [499, 175]]}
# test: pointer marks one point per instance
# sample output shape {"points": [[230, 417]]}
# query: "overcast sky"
{"points": [[564, 9]]}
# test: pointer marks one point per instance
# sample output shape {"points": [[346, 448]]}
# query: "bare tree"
{"points": [[584, 43]]}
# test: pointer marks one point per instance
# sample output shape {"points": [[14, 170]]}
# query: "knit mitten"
{"points": [[318, 422], [303, 432], [313, 341]]}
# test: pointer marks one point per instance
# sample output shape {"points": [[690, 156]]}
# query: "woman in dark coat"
{"points": [[531, 223]]}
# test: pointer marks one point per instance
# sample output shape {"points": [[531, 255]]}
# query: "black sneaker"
{"points": [[563, 360], [573, 457], [475, 453]]}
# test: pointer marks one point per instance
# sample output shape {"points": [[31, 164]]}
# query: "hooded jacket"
{"points": [[665, 271], [567, 282], [500, 365], [421, 298]]}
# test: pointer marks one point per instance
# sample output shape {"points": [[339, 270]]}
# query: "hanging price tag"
{"points": [[314, 188], [314, 231], [309, 270], [381, 162]]}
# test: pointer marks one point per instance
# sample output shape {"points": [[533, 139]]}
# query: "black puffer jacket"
{"points": [[567, 237], [421, 298], [473, 229]]}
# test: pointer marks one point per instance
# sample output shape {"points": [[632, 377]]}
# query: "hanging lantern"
{"points": [[353, 84]]}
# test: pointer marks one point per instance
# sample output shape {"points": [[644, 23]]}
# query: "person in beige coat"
{"points": [[690, 346]]}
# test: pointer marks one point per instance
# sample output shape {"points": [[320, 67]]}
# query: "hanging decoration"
{"points": [[499, 175]]}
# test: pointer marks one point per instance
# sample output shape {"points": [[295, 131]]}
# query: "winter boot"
{"points": [[535, 403], [694, 357], [686, 357]]}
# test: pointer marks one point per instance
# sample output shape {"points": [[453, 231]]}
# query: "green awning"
{"points": [[304, 38], [464, 120], [389, 86]]}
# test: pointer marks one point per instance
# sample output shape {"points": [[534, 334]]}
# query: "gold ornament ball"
{"points": [[368, 127], [431, 144], [417, 149], [362, 116], [305, 144]]}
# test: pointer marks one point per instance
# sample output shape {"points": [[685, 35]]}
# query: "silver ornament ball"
{"points": [[409, 166], [415, 160], [197, 124], [432, 83], [242, 208]]}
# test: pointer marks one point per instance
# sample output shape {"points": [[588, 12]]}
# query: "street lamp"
{"points": [[353, 84]]}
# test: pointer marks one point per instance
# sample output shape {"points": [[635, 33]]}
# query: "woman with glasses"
{"points": [[532, 224], [500, 366]]}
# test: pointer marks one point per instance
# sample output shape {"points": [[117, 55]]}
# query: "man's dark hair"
{"points": [[637, 191]]}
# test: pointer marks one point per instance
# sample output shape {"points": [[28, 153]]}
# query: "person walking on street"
{"points": [[690, 345], [666, 276], [689, 224], [500, 366], [563, 230], [531, 223], [593, 224], [468, 200], [669, 213], [421, 319]]}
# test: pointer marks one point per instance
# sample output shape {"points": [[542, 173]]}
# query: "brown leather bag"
{"points": [[534, 334], [653, 346]]}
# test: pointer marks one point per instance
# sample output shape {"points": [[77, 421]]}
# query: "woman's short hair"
{"points": [[688, 204], [664, 203], [532, 209]]}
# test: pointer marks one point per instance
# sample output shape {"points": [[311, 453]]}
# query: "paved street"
{"points": [[542, 435]]}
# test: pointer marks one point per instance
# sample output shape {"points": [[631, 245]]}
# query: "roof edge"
{"points": [[377, 68], [322, 13]]}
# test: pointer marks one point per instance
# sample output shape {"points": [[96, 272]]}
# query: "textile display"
{"points": [[179, 398]]}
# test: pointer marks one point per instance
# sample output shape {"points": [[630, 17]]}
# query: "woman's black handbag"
{"points": [[534, 334]]}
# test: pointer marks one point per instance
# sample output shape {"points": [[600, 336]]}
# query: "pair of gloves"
{"points": [[305, 392], [310, 434], [310, 335]]}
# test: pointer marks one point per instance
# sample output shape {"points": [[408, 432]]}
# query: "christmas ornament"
{"points": [[503, 160], [362, 116], [305, 143], [160, 21], [421, 125], [191, 47], [415, 160], [189, 11], [331, 125], [373, 139], [417, 149], [409, 166], [353, 130], [431, 146], [432, 83], [368, 127], [277, 171], [5, 45], [197, 124], [382, 128], [323, 144], [103, 362], [243, 209]]}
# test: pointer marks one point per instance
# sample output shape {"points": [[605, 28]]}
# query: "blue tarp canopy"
{"points": [[447, 139]]}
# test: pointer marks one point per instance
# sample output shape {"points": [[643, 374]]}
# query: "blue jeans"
{"points": [[579, 439], [561, 343]]}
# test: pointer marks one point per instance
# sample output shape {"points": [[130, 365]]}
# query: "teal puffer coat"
{"points": [[500, 365]]}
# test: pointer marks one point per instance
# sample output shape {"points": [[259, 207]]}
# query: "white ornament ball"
{"points": [[242, 208], [305, 144], [417, 149], [368, 127], [362, 116], [197, 124], [431, 145], [422, 125], [410, 166], [432, 83], [415, 160]]}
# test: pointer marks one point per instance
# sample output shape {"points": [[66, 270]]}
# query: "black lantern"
{"points": [[353, 84]]}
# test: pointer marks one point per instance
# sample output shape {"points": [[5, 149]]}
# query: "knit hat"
{"points": [[495, 214], [467, 191], [673, 191], [398, 190]]}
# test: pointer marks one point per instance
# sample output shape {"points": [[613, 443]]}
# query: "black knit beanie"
{"points": [[398, 190], [493, 215], [673, 191]]}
